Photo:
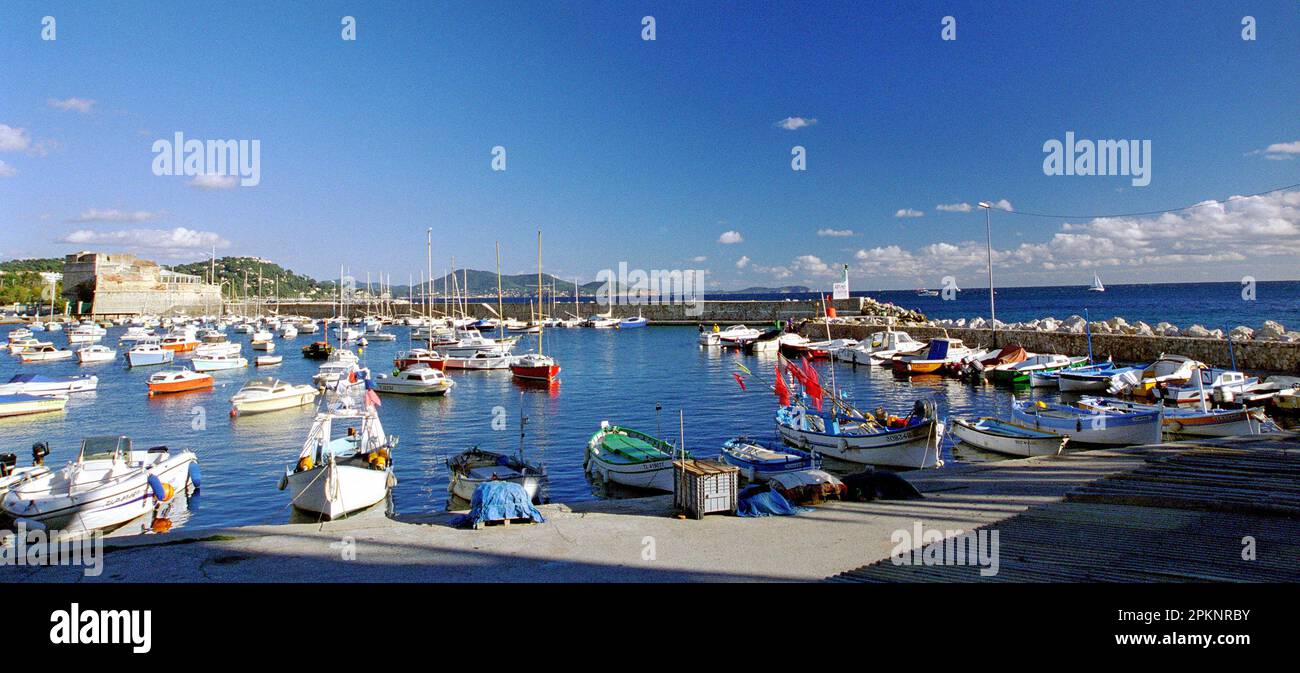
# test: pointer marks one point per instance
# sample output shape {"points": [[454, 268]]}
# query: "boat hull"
{"points": [[1025, 446], [179, 386], [261, 406], [334, 490], [1105, 430], [543, 373], [23, 405], [652, 475]]}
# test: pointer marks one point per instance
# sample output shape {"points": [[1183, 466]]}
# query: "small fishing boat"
{"points": [[267, 360], [37, 384], [419, 356], [266, 345], [416, 380], [910, 441], [534, 367], [735, 335], [270, 394], [996, 435], [45, 352], [1100, 377], [881, 347], [22, 404], [288, 331], [182, 341], [96, 353], [381, 336], [1166, 370], [793, 345], [1018, 373], [601, 321], [177, 381], [766, 342], [829, 348], [760, 462], [216, 363], [345, 464], [1287, 401], [318, 350], [620, 455], [217, 349], [149, 353], [108, 485], [1201, 421], [1089, 426], [476, 466], [976, 365], [342, 364], [940, 352]]}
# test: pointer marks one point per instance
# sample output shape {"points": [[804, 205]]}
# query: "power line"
{"points": [[1149, 212]]}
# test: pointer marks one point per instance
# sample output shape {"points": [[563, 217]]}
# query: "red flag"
{"points": [[739, 380], [782, 392], [812, 384], [809, 372], [372, 399], [796, 373]]}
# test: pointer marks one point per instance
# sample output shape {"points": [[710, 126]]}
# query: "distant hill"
{"points": [[785, 289], [42, 264], [234, 270]]}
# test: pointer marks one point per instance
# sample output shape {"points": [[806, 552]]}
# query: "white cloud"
{"points": [[811, 265], [13, 139], [700, 258], [742, 262], [1284, 148], [908, 212], [795, 123], [729, 237], [206, 181], [175, 240], [7, 171], [82, 105], [1003, 204], [114, 215], [835, 233], [954, 207]]}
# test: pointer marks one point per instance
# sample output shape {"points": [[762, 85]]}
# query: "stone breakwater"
{"points": [[1255, 355], [1271, 330]]}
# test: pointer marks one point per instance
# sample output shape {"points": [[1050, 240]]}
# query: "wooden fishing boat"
{"points": [[345, 464], [940, 352], [761, 462], [910, 441], [476, 466], [1089, 426], [317, 350], [177, 381], [1099, 377], [631, 458], [1166, 370], [1201, 421], [1000, 436], [1018, 373]]}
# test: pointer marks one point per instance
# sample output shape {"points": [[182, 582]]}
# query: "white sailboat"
{"points": [[1096, 284]]}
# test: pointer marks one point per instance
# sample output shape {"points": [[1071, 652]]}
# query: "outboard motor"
{"points": [[39, 451], [923, 409], [7, 463]]}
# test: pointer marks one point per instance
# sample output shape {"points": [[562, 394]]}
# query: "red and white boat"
{"points": [[535, 367], [419, 356], [178, 381], [180, 342]]}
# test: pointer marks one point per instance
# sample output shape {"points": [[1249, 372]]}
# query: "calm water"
{"points": [[607, 374]]}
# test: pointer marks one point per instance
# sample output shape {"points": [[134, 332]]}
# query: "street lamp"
{"points": [[988, 228]]}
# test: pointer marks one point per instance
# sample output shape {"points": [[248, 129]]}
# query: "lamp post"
{"points": [[988, 228]]}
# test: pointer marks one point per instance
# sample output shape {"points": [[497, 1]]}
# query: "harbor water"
{"points": [[615, 375]]}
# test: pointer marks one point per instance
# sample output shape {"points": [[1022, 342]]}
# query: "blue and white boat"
{"points": [[910, 441], [38, 384], [149, 352], [760, 462], [1090, 426], [1098, 377], [632, 323], [992, 434]]}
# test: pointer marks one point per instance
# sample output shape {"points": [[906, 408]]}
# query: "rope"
{"points": [[1148, 212]]}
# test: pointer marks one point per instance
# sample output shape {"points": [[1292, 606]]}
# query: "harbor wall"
{"points": [[1254, 356]]}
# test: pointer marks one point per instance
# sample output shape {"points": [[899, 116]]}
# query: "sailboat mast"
{"points": [[428, 261], [501, 317], [539, 291]]}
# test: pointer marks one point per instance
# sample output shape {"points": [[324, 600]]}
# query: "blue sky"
{"points": [[621, 149]]}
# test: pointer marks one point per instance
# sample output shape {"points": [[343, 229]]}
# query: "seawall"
{"points": [[1255, 356]]}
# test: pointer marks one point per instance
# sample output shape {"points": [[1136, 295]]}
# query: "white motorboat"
{"points": [[46, 352], [267, 360], [96, 353], [134, 334], [215, 363], [881, 348], [85, 334], [480, 360], [1101, 377], [345, 464], [1166, 370], [1223, 385], [416, 380], [472, 343], [288, 331], [734, 336], [340, 364], [209, 350], [147, 353], [19, 333], [602, 322], [996, 435], [108, 485], [308, 327], [262, 335], [270, 394], [37, 384]]}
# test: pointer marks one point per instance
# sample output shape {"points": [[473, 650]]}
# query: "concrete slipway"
{"points": [[1172, 512]]}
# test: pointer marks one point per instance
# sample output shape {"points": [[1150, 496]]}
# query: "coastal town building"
{"points": [[121, 284]]}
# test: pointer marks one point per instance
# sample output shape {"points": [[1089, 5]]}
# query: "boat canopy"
{"points": [[104, 448]]}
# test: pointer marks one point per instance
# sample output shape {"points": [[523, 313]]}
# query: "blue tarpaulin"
{"points": [[760, 500], [496, 500]]}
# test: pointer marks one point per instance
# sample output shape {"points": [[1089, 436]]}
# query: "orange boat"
{"points": [[178, 381], [180, 343], [939, 353]]}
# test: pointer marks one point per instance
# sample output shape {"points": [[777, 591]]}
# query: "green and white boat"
{"points": [[1018, 373], [631, 458]]}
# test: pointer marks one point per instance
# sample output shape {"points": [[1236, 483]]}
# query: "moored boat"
{"points": [[345, 464], [267, 360], [177, 381], [1089, 426], [476, 466], [318, 350], [419, 356], [940, 352], [1201, 421], [149, 353], [760, 462], [216, 363], [270, 394], [22, 404], [416, 380], [992, 434], [1018, 373], [38, 384], [735, 335], [534, 367], [45, 352], [1099, 377], [910, 441], [96, 353], [620, 455]]}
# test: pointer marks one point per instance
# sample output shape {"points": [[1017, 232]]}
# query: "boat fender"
{"points": [[305, 463], [284, 481], [1078, 425], [391, 481], [1175, 426], [196, 477], [162, 492]]}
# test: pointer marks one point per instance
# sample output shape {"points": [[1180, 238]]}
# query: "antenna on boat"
{"points": [[1087, 322], [658, 431], [523, 420]]}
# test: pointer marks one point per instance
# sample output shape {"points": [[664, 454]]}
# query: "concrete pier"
{"points": [[638, 540]]}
